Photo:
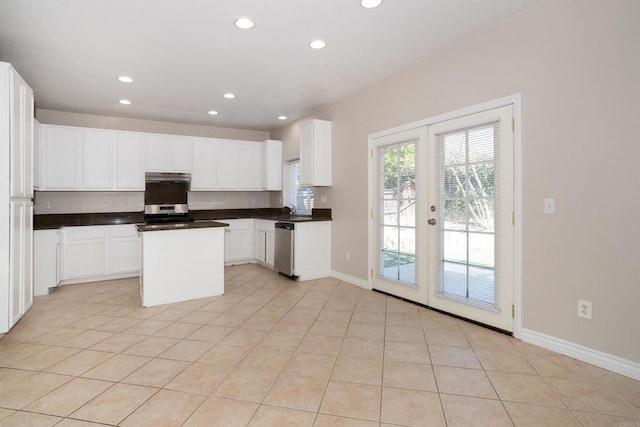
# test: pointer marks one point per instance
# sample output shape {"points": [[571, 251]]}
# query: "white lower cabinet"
{"points": [[264, 241], [98, 253], [124, 250], [312, 250], [45, 260], [238, 240], [20, 259], [83, 252]]}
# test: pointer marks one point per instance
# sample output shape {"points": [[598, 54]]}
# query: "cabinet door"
{"points": [[97, 159], [204, 173], [16, 135], [180, 154], [16, 264], [315, 153], [130, 161], [124, 249], [272, 165], [270, 248], [306, 154], [259, 246], [124, 255], [83, 259], [45, 244], [21, 260], [157, 148], [61, 163], [29, 142], [27, 257], [250, 166], [238, 245], [21, 137], [227, 160]]}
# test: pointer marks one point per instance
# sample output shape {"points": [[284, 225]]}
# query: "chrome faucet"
{"points": [[292, 209]]}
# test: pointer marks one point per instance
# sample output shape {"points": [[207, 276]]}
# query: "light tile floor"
{"points": [[273, 352]]}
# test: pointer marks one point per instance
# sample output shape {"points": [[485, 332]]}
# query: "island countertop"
{"points": [[180, 225]]}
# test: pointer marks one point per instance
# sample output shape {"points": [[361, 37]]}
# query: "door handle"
{"points": [[432, 221]]}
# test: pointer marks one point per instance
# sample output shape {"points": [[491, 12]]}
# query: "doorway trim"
{"points": [[514, 100]]}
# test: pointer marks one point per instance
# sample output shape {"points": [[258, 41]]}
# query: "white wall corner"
{"points": [[595, 357], [365, 284]]}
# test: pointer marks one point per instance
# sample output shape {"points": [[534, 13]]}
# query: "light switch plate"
{"points": [[549, 206]]}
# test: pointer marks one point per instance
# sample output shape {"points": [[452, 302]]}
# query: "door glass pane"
{"points": [[397, 212], [467, 197]]}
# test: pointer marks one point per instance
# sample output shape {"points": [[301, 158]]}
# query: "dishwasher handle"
{"points": [[285, 225]]}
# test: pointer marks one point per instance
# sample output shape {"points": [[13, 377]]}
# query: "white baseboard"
{"points": [[352, 280], [607, 361], [97, 279]]}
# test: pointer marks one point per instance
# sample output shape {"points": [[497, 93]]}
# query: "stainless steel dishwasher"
{"points": [[283, 260]]}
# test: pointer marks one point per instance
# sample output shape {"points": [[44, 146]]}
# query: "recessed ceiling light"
{"points": [[229, 95], [244, 23], [125, 79], [282, 117], [317, 44], [213, 113], [124, 102], [370, 4]]}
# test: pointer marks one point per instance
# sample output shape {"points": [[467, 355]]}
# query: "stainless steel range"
{"points": [[165, 197]]}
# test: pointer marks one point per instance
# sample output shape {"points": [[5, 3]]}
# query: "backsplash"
{"points": [[207, 200], [65, 202], [69, 202]]}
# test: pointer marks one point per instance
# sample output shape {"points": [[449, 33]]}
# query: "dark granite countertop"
{"points": [[55, 221], [180, 226]]}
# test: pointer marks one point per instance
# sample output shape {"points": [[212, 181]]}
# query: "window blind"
{"points": [[293, 193], [468, 199]]}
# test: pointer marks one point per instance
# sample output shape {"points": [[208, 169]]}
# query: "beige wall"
{"points": [[52, 117], [577, 66]]}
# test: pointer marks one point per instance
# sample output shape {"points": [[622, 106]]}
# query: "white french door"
{"points": [[400, 194], [443, 202], [471, 196]]}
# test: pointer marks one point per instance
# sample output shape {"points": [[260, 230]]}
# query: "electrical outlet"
{"points": [[253, 201], [47, 204], [213, 201], [584, 309], [347, 256], [107, 204], [323, 199]]}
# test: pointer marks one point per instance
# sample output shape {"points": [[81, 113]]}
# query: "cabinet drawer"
{"points": [[127, 230], [265, 225], [83, 233], [238, 224]]}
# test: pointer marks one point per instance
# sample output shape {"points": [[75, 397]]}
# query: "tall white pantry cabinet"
{"points": [[16, 197]]}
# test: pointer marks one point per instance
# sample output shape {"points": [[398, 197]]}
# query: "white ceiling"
{"points": [[185, 54]]}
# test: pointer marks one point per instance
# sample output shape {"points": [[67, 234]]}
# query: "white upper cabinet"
{"points": [[84, 159], [227, 160], [130, 161], [168, 153], [250, 166], [315, 153], [203, 176], [97, 159], [272, 165], [60, 153], [21, 136], [87, 159]]}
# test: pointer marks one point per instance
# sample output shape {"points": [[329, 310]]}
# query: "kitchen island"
{"points": [[181, 262]]}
